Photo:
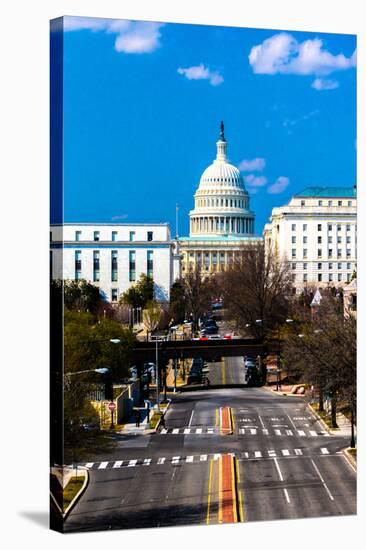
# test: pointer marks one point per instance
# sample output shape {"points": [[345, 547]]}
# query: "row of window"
{"points": [[328, 203], [114, 265], [114, 235], [320, 227], [319, 239], [236, 203], [327, 278], [320, 253], [331, 265]]}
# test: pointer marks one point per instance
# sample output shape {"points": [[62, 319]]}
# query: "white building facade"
{"points": [[221, 221], [113, 256], [316, 232]]}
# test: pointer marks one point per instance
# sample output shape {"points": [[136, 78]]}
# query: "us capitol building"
{"points": [[221, 221]]}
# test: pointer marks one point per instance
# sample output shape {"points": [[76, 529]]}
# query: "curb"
{"points": [[154, 430], [78, 495], [349, 457], [319, 419]]}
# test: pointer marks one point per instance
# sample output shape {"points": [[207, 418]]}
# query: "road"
{"points": [[277, 463]]}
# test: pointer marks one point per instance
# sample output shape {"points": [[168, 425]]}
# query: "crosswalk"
{"points": [[245, 431], [195, 459]]}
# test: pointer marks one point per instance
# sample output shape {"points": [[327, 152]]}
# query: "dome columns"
{"points": [[221, 224]]}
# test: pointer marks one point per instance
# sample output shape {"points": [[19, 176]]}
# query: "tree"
{"points": [[151, 315], [140, 293], [177, 301], [80, 295], [256, 286], [197, 294]]}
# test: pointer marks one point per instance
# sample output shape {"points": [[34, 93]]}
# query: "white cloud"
{"points": [[255, 181], [119, 217], [279, 185], [200, 72], [322, 84], [132, 36], [293, 121], [256, 165], [282, 53]]}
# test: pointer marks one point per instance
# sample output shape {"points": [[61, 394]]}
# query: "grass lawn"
{"points": [[71, 490]]}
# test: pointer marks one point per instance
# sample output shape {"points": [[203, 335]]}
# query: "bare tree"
{"points": [[151, 315], [256, 286], [197, 294]]}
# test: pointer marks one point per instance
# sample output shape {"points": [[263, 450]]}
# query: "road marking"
{"points": [[217, 418], [89, 464], [291, 422], [118, 464], [301, 432], [253, 431], [175, 431], [277, 432], [102, 465], [203, 458], [285, 452], [175, 459], [161, 460], [190, 458], [217, 456], [322, 480], [246, 454], [278, 469], [261, 421], [210, 430], [272, 454], [312, 433], [286, 495], [324, 450], [223, 374], [298, 452], [349, 464], [289, 432], [190, 420], [198, 430], [265, 431], [132, 463], [209, 495], [187, 430], [147, 462], [279, 426], [257, 454], [164, 431]]}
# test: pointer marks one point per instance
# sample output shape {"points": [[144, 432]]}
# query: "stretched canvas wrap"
{"points": [[202, 274]]}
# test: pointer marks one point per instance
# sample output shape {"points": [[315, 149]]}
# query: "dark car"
{"points": [[194, 378], [211, 330]]}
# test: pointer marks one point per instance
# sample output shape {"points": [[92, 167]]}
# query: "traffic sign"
{"points": [[111, 406]]}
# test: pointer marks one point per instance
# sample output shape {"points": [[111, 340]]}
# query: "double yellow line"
{"points": [[236, 502]]}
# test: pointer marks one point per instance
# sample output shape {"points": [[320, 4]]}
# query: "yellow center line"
{"points": [[220, 490], [233, 491], [223, 373], [241, 511], [232, 419], [209, 494], [217, 418]]}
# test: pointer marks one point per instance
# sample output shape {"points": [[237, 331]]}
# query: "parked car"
{"points": [[215, 337], [211, 330]]}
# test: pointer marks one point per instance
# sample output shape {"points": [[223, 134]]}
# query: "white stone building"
{"points": [[221, 221], [113, 256], [316, 232]]}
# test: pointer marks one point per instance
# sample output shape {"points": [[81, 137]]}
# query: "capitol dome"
{"points": [[221, 200]]}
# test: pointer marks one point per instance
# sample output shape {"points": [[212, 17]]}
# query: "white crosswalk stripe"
{"points": [[289, 432], [175, 431], [301, 433], [312, 433], [203, 458], [298, 452], [217, 456], [253, 431], [190, 458], [164, 431], [277, 432], [265, 431], [198, 430], [258, 454], [285, 452], [324, 451], [89, 464], [102, 465], [118, 464], [187, 430], [161, 460], [132, 463], [175, 459], [147, 462]]}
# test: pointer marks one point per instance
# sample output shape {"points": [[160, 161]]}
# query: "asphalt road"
{"points": [[287, 467]]}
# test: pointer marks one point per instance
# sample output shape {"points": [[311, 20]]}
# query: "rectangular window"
{"points": [[339, 227], [304, 226], [305, 253], [293, 227], [132, 235], [51, 264], [302, 203], [348, 240], [348, 227], [339, 265], [348, 252], [348, 265], [293, 253], [293, 277], [305, 266], [305, 240], [330, 277], [339, 203], [319, 277], [339, 240], [293, 240], [348, 277], [114, 235], [293, 265], [132, 265], [330, 203], [320, 203], [96, 265], [339, 276], [114, 265], [330, 227], [319, 226], [330, 239], [77, 235], [330, 252], [150, 263], [51, 236], [149, 235], [114, 294], [319, 252], [319, 240], [330, 266], [305, 278], [77, 264], [320, 265], [96, 235], [349, 203], [339, 253]]}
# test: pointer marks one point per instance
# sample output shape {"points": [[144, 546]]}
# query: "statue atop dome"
{"points": [[222, 136]]}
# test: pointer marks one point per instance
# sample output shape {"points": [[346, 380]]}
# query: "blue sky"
{"points": [[143, 103]]}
